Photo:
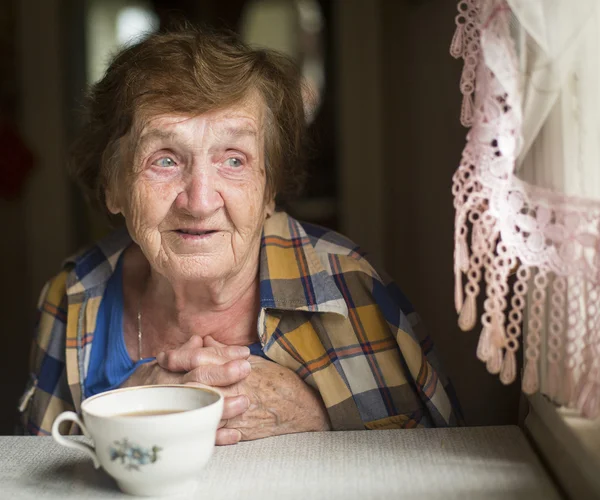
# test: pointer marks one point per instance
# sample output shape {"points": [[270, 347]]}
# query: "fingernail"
{"points": [[228, 436], [241, 351], [245, 368], [241, 403], [246, 402], [160, 357]]}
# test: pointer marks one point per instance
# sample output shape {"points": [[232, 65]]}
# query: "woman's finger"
{"points": [[234, 406], [186, 359], [210, 342], [224, 375], [228, 436], [194, 341]]}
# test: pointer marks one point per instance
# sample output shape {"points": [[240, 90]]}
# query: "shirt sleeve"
{"points": [[47, 393], [420, 360]]}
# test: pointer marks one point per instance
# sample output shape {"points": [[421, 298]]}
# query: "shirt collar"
{"points": [[94, 266]]}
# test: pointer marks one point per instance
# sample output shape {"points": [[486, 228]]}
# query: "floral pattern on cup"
{"points": [[132, 455]]}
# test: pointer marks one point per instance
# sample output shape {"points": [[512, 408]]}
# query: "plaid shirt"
{"points": [[325, 313]]}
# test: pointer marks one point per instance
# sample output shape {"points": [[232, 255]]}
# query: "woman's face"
{"points": [[195, 203]]}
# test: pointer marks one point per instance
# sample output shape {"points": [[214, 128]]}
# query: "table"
{"points": [[458, 463]]}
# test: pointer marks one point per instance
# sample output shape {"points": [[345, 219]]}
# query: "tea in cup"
{"points": [[153, 440]]}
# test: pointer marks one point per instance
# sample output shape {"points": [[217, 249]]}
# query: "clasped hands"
{"points": [[262, 398]]}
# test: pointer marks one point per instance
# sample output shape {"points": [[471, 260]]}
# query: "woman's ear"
{"points": [[112, 203], [114, 182], [270, 208]]}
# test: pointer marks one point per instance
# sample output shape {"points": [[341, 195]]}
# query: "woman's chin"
{"points": [[197, 244], [198, 267]]}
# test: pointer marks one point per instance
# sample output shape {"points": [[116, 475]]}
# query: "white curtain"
{"points": [[558, 45], [527, 191]]}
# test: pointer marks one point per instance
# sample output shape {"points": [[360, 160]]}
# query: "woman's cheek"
{"points": [[164, 194], [136, 207], [241, 201], [150, 204]]}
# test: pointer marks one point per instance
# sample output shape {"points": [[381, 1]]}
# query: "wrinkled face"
{"points": [[195, 203]]}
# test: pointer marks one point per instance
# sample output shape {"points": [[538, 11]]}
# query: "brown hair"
{"points": [[190, 71]]}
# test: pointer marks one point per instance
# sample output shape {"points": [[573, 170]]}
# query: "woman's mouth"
{"points": [[195, 233]]}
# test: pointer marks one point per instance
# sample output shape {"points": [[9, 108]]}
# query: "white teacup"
{"points": [[149, 453]]}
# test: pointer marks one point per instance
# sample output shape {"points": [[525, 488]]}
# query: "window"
{"points": [[111, 25]]}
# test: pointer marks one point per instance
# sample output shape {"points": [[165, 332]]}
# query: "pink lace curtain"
{"points": [[526, 193]]}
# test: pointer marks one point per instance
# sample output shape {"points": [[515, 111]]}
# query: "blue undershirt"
{"points": [[110, 363]]}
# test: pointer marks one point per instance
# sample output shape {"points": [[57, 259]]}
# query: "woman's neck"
{"points": [[173, 311]]}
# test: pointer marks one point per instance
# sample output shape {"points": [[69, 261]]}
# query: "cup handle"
{"points": [[69, 443]]}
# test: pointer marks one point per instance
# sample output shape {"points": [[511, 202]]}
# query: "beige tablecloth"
{"points": [[480, 462]]}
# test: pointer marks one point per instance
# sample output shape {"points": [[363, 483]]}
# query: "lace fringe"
{"points": [[538, 248]]}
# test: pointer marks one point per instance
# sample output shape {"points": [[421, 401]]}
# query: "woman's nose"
{"points": [[199, 196]]}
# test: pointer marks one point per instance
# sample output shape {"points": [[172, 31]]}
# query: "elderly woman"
{"points": [[190, 137]]}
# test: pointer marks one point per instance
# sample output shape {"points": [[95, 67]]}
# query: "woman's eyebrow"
{"points": [[158, 134], [240, 132], [153, 135]]}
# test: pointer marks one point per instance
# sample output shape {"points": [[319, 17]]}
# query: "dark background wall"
{"points": [[390, 140], [424, 137]]}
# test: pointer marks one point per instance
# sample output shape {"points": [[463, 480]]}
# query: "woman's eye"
{"points": [[233, 162], [164, 162]]}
